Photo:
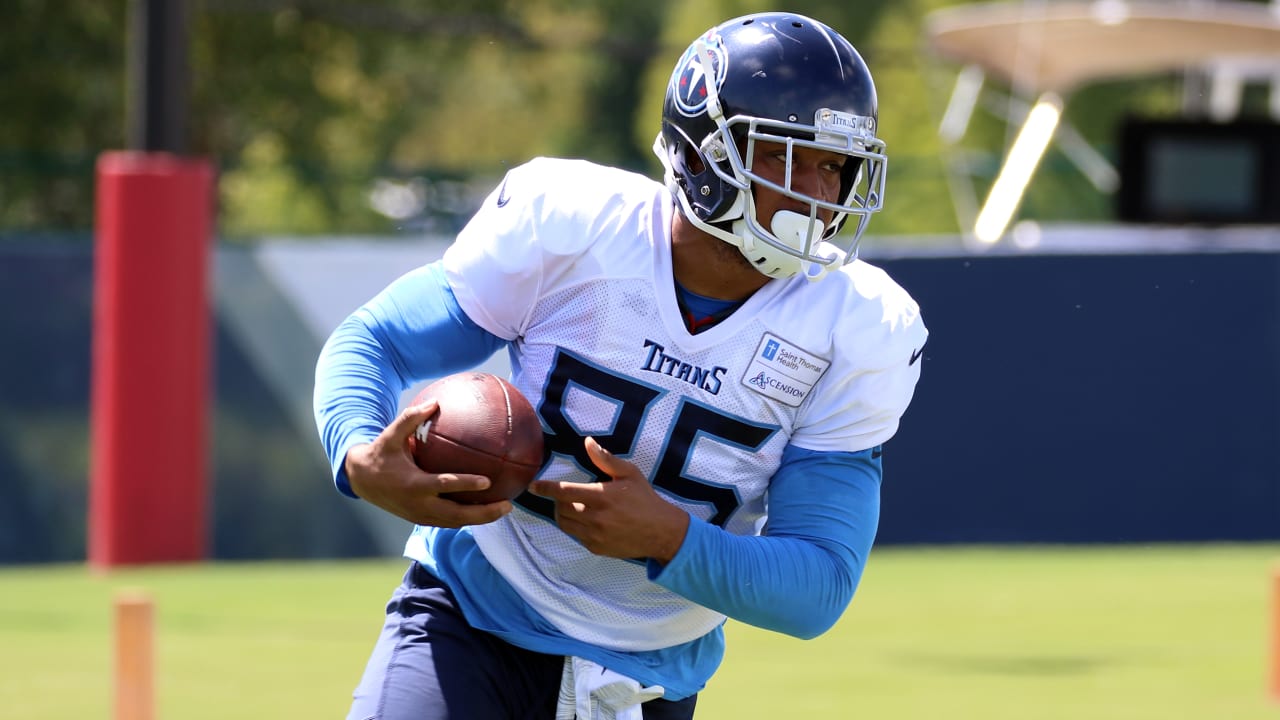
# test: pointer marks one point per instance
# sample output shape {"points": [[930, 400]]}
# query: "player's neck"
{"points": [[709, 266], [700, 312]]}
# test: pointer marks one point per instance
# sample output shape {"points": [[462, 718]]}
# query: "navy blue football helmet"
{"points": [[781, 78]]}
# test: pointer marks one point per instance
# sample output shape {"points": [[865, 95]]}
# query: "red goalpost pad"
{"points": [[150, 367]]}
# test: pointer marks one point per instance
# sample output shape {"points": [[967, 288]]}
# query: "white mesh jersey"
{"points": [[571, 262]]}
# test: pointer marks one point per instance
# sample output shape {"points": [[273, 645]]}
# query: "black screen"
{"points": [[1176, 172]]}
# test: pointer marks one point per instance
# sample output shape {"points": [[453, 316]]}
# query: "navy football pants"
{"points": [[429, 664]]}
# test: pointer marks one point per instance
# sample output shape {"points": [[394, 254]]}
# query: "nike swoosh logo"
{"points": [[503, 197], [916, 356]]}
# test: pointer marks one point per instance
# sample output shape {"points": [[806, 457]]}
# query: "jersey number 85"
{"points": [[691, 422]]}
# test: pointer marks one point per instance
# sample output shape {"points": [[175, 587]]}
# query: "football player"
{"points": [[715, 372]]}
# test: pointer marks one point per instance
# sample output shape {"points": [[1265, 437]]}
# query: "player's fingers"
{"points": [[545, 488], [444, 512], [458, 482], [563, 491], [411, 418], [571, 517], [603, 458], [616, 467]]}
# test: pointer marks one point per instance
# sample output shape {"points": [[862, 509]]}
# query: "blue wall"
{"points": [[1127, 398], [271, 494], [1091, 399]]}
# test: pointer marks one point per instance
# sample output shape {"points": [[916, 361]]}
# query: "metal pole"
{"points": [[157, 76]]}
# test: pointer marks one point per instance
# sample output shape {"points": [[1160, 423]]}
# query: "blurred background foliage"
{"points": [[395, 116]]}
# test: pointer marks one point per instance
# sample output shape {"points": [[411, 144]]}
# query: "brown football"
{"points": [[484, 427]]}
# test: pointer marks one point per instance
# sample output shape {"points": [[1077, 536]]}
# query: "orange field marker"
{"points": [[1275, 635], [134, 620]]}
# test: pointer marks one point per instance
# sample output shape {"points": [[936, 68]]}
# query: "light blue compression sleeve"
{"points": [[800, 576], [412, 330]]}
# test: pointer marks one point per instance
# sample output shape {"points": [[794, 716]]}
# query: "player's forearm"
{"points": [[798, 580], [786, 585], [412, 330], [355, 395]]}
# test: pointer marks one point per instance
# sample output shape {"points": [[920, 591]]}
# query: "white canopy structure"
{"points": [[1046, 49]]}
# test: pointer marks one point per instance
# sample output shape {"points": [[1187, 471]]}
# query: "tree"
{"points": [[383, 116], [62, 85]]}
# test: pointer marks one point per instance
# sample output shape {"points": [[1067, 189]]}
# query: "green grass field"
{"points": [[1159, 633]]}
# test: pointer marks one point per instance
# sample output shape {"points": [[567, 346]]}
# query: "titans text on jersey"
{"points": [[657, 360]]}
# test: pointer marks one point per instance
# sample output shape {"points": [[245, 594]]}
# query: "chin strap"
{"points": [[797, 232]]}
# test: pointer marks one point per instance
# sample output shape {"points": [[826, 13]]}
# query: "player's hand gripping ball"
{"points": [[484, 427]]}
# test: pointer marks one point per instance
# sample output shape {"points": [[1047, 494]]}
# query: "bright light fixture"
{"points": [[1006, 192]]}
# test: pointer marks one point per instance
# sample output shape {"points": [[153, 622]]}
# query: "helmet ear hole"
{"points": [[693, 160], [850, 174]]}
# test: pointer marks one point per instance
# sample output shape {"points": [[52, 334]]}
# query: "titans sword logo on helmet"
{"points": [[691, 77]]}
